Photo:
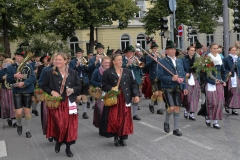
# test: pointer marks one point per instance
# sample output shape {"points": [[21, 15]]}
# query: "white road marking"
{"points": [[184, 138], [3, 150], [197, 143]]}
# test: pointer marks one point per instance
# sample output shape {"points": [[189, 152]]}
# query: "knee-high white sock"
{"points": [[34, 106], [27, 122]]}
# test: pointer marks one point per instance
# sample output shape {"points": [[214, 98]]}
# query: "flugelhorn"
{"points": [[83, 61], [136, 62]]}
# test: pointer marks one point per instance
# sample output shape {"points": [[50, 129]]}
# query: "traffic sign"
{"points": [[180, 30], [172, 5]]}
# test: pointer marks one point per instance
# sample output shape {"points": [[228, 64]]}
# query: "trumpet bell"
{"points": [[138, 45]]}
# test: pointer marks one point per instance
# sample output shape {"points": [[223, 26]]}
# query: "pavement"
{"points": [[149, 141]]}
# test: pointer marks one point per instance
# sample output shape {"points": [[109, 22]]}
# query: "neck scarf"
{"points": [[216, 60], [101, 70], [234, 57]]}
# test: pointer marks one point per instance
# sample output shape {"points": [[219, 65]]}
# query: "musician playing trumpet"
{"points": [[155, 82], [128, 59], [80, 65]]}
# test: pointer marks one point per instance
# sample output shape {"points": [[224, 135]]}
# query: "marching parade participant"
{"points": [[35, 64], [117, 119], [198, 48], [89, 56], [191, 100], [172, 86], [96, 81], [23, 77], [43, 103], [130, 61], [95, 62], [214, 89], [109, 53], [62, 121], [7, 106], [155, 82], [80, 65], [146, 86], [232, 67], [45, 62]]}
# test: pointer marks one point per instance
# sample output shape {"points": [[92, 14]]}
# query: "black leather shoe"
{"points": [[216, 126], [91, 99], [136, 117], [192, 118], [69, 153], [57, 147], [9, 122], [227, 109], [208, 124], [123, 143], [88, 104], [151, 108], [50, 139], [177, 133], [185, 115], [14, 125], [28, 134], [93, 107], [35, 112], [160, 112], [85, 116], [234, 112], [80, 104], [166, 127], [116, 141], [19, 130], [139, 108], [155, 102]]}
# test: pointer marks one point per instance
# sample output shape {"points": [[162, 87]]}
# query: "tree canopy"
{"points": [[202, 14]]}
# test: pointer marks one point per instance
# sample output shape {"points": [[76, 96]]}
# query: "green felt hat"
{"points": [[38, 53], [129, 48], [170, 44], [198, 45], [153, 45], [79, 50], [20, 51], [109, 52], [99, 45], [44, 56], [89, 51]]}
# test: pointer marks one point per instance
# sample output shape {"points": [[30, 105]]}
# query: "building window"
{"points": [[141, 39], [140, 4], [73, 45], [193, 37], [179, 42], [238, 36], [125, 41], [210, 39]]}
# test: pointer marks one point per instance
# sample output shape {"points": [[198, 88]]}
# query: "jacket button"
{"points": [[59, 82], [124, 83], [127, 94], [126, 88]]}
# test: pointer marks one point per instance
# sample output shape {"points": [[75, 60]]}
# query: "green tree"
{"points": [[202, 14]]}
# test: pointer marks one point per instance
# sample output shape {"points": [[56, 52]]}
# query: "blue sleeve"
{"points": [[223, 73], [91, 64], [72, 65], [2, 73], [209, 80], [10, 75], [225, 65], [40, 80], [149, 62], [94, 79]]}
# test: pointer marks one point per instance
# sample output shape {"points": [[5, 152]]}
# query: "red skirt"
{"points": [[62, 125], [119, 120], [146, 87]]}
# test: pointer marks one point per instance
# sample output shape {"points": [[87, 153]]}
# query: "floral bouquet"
{"points": [[95, 92], [52, 102], [204, 64], [110, 98], [39, 94]]}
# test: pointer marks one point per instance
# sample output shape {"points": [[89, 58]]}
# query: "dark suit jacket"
{"points": [[91, 65], [152, 66], [228, 64], [80, 69], [166, 78], [52, 82], [127, 84], [96, 79]]}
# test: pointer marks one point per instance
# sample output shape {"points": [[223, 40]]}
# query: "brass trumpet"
{"points": [[136, 62], [83, 61], [102, 54]]}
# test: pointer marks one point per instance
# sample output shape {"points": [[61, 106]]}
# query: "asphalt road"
{"points": [[149, 141]]}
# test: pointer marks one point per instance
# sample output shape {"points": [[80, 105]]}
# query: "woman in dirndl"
{"points": [[117, 120], [43, 103], [62, 121], [96, 81], [7, 105], [215, 89], [232, 67], [190, 101]]}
